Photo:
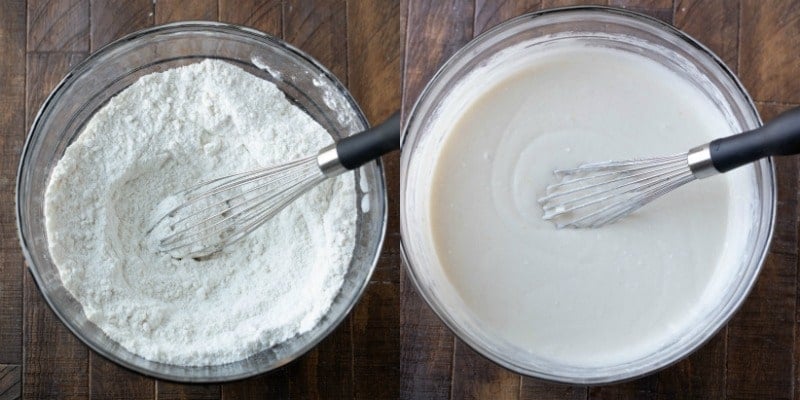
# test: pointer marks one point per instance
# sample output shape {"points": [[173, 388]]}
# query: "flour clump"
{"points": [[164, 133]]}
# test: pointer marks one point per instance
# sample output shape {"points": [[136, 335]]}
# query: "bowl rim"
{"points": [[717, 324], [197, 26]]}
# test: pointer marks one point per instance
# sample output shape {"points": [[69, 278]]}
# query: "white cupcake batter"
{"points": [[167, 132], [580, 297]]}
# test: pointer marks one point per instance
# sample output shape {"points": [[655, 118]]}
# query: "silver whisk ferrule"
{"points": [[597, 194], [328, 161]]}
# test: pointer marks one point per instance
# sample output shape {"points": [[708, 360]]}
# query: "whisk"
{"points": [[203, 219], [596, 194]]}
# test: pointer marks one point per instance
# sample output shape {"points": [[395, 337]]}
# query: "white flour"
{"points": [[166, 132]]}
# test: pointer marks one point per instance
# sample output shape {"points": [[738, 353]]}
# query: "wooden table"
{"points": [[392, 345]]}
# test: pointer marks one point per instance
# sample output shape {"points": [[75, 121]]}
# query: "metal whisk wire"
{"points": [[201, 220], [594, 195], [222, 211], [597, 194]]}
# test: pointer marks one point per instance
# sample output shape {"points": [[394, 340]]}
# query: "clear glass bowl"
{"points": [[113, 68], [595, 26]]}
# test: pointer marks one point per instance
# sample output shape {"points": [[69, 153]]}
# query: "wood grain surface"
{"points": [[392, 345]]}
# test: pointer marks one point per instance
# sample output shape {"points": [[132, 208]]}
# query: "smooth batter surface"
{"points": [[579, 297]]}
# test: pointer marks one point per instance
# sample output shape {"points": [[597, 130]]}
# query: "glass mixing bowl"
{"points": [[116, 66], [594, 26]]}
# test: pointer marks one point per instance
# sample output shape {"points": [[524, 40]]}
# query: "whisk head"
{"points": [[597, 194], [203, 219]]}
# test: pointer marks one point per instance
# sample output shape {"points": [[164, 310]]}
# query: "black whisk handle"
{"points": [[779, 137], [366, 146]]}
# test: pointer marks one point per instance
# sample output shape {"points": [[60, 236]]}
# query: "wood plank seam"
{"points": [[350, 318], [91, 39], [13, 81], [794, 366], [24, 306], [796, 300], [739, 41], [725, 362], [453, 367], [283, 19], [89, 361], [404, 68], [23, 267]]}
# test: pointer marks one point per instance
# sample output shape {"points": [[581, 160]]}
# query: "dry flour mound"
{"points": [[164, 133]]}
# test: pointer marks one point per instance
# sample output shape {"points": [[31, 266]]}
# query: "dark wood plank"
{"points": [[759, 352], [112, 382], [272, 385], [661, 9], [113, 19], [264, 15], [319, 27], [569, 3], [489, 13], [44, 71], [700, 376], [12, 136], [374, 76], [179, 391], [761, 335], [427, 45], [327, 370], [376, 341], [185, 10], [781, 242], [10, 382], [475, 377], [785, 235], [785, 238], [640, 389], [374, 51], [426, 345], [55, 363], [426, 348], [768, 60], [535, 389], [715, 23], [58, 25]]}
